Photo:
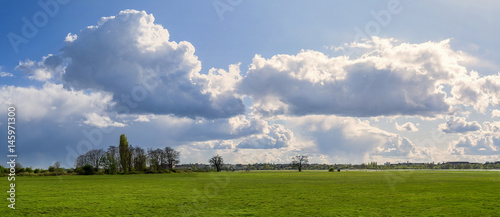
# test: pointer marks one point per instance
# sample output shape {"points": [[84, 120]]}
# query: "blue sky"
{"points": [[255, 81]]}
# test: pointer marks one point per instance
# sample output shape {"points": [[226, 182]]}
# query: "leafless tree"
{"points": [[139, 158], [112, 160], [94, 157], [79, 161], [172, 157], [82, 160], [248, 167], [156, 159], [217, 162], [130, 163], [299, 161], [57, 167]]}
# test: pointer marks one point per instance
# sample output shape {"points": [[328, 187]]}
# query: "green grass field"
{"points": [[267, 193]]}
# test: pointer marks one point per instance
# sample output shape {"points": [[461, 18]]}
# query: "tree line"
{"points": [[126, 158]]}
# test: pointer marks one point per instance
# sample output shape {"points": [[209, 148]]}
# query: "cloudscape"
{"points": [[389, 84]]}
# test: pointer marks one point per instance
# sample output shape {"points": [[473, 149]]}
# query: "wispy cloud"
{"points": [[5, 74]]}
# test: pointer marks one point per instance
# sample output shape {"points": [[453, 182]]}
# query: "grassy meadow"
{"points": [[261, 193]]}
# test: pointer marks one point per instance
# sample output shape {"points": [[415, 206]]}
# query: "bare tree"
{"points": [[57, 167], [80, 161], [139, 158], [130, 163], [172, 157], [299, 161], [84, 159], [248, 167], [96, 157], [111, 161], [162, 159], [217, 162], [156, 159]]}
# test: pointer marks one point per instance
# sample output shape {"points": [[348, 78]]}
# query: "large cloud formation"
{"points": [[131, 57], [389, 79]]}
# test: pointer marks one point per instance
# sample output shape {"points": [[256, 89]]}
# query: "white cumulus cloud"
{"points": [[459, 125], [133, 58], [391, 78], [495, 113], [407, 127], [49, 68], [276, 137], [477, 91], [486, 142], [52, 102]]}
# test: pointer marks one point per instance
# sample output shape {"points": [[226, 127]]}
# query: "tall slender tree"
{"points": [[124, 153]]}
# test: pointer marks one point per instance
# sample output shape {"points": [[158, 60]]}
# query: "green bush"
{"points": [[79, 170], [52, 169], [19, 170], [331, 169], [88, 169], [85, 170], [110, 171], [29, 169]]}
